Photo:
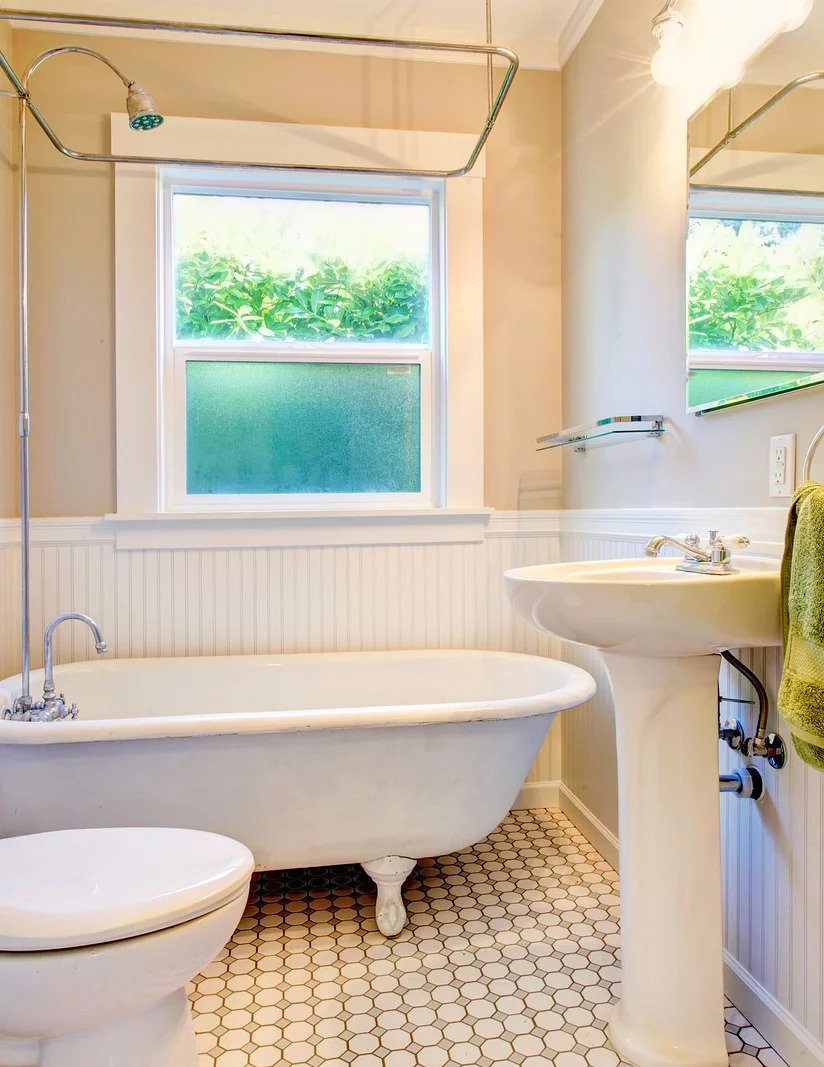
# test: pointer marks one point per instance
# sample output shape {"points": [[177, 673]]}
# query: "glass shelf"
{"points": [[604, 431]]}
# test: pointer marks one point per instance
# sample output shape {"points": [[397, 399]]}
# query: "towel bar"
{"points": [[811, 451]]}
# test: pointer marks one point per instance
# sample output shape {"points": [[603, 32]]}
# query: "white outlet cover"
{"points": [[782, 465]]}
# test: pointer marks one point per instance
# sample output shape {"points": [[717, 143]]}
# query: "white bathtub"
{"points": [[379, 758]]}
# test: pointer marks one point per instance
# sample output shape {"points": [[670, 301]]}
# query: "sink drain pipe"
{"points": [[746, 784]]}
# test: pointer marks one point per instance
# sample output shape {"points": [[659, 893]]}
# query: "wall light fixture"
{"points": [[705, 45]]}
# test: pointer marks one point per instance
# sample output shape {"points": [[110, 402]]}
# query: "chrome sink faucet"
{"points": [[716, 558], [54, 706]]}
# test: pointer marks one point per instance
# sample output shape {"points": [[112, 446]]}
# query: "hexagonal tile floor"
{"points": [[509, 958]]}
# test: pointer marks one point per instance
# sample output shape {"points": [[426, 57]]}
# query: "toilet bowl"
{"points": [[100, 930]]}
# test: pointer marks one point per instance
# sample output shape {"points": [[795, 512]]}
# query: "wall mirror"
{"points": [[755, 245]]}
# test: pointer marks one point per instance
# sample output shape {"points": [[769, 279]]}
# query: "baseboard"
{"points": [[558, 795], [786, 1035], [538, 795], [598, 835]]}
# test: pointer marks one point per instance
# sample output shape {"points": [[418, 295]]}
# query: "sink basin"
{"points": [[659, 631], [646, 607]]}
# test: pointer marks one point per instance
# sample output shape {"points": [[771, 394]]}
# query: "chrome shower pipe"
{"points": [[24, 701], [482, 51], [490, 74], [71, 50], [24, 418], [28, 105]]}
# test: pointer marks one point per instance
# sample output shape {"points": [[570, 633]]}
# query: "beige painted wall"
{"points": [[8, 329], [794, 125], [72, 250], [624, 167], [624, 176], [624, 282]]}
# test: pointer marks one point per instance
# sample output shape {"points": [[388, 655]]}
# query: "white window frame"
{"points": [[766, 206], [176, 354], [455, 476]]}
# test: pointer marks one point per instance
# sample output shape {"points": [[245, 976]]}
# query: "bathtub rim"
{"points": [[577, 688]]}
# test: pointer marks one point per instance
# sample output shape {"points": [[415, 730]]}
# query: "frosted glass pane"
{"points": [[302, 427], [255, 268]]}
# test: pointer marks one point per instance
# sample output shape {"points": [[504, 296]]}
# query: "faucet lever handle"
{"points": [[737, 540], [693, 540]]}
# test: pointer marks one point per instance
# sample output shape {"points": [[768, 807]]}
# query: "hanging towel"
{"points": [[801, 696]]}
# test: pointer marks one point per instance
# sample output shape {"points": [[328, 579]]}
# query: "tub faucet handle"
{"points": [[56, 708], [52, 707]]}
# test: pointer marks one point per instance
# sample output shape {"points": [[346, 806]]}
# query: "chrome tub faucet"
{"points": [[716, 558], [53, 706]]}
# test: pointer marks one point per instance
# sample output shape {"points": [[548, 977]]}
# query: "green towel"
{"points": [[801, 696]]}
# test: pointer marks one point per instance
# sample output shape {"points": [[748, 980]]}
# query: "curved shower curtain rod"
{"points": [[486, 51], [140, 103]]}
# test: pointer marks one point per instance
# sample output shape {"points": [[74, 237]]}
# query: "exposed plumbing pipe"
{"points": [[139, 105], [746, 783], [769, 746]]}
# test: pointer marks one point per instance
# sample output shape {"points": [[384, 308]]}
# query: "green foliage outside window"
{"points": [[743, 311], [756, 285], [223, 297]]}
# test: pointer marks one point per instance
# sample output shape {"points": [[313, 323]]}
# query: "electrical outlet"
{"points": [[782, 465]]}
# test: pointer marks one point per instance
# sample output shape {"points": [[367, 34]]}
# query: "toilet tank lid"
{"points": [[70, 888]]}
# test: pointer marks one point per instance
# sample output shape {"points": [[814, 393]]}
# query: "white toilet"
{"points": [[100, 930]]}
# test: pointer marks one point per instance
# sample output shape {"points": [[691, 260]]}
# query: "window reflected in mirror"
{"points": [[755, 234], [755, 269]]}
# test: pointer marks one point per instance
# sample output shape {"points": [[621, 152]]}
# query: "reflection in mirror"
{"points": [[755, 246]]}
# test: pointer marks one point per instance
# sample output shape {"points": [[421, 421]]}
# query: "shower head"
{"points": [[143, 113]]}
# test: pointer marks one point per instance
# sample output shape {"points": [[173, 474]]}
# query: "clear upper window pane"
{"points": [[272, 268], [756, 285], [277, 427]]}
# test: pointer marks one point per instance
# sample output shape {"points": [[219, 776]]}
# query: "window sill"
{"points": [[300, 528]]}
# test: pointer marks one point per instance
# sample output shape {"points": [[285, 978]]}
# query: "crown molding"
{"points": [[577, 25]]}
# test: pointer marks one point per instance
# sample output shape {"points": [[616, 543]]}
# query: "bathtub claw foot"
{"points": [[389, 874]]}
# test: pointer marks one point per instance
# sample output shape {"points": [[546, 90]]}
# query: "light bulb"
{"points": [[665, 67], [665, 64]]}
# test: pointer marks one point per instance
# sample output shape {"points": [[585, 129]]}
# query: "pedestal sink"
{"points": [[659, 631]]}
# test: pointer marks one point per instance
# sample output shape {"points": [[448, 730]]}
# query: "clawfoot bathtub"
{"points": [[378, 758]]}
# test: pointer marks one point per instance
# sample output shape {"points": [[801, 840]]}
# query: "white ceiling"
{"points": [[542, 32]]}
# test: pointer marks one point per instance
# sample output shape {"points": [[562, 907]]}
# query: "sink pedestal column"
{"points": [[671, 1012]]}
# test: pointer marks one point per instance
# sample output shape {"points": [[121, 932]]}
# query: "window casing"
{"points": [[145, 513], [422, 360]]}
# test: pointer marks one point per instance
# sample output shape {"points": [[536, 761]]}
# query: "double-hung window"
{"points": [[283, 350], [302, 341]]}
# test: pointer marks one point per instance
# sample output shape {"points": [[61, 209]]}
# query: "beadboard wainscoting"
{"points": [[772, 851], [184, 601], [322, 598]]}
